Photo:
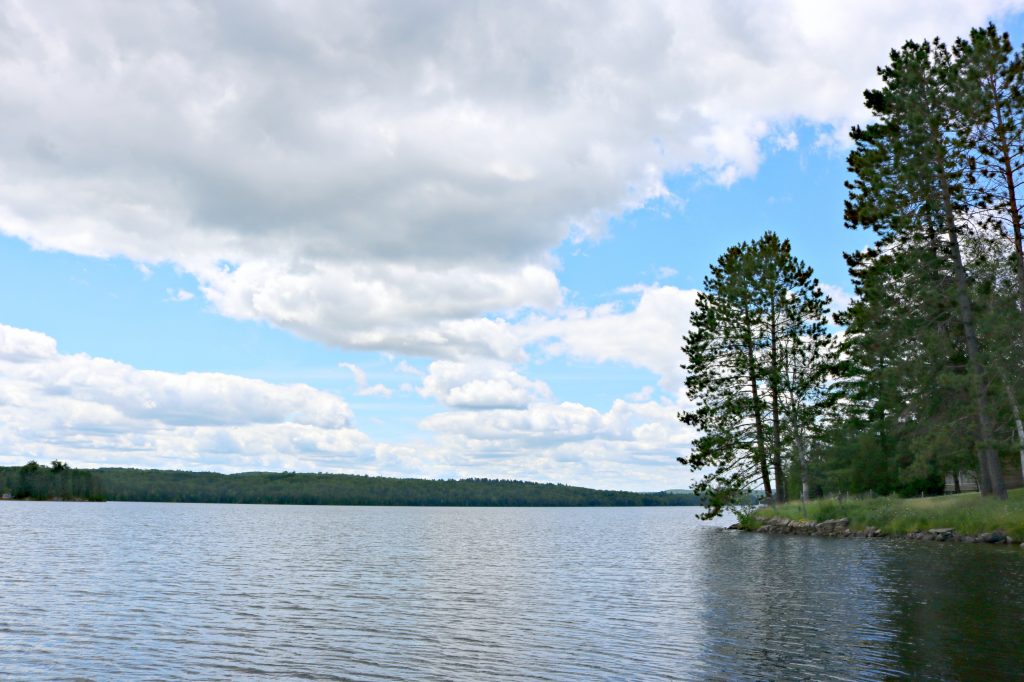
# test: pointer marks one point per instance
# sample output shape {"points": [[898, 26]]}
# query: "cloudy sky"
{"points": [[422, 239]]}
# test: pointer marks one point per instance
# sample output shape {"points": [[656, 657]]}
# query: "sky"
{"points": [[431, 239]]}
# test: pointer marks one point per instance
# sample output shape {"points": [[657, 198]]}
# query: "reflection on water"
{"points": [[860, 609], [160, 591]]}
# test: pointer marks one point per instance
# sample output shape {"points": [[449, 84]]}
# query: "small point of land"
{"points": [[966, 514]]}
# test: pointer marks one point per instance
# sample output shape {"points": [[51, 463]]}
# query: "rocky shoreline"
{"points": [[840, 528]]}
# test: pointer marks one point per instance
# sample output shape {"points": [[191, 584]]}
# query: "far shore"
{"points": [[47, 499]]}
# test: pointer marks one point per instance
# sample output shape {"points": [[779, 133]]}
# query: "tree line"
{"points": [[57, 481], [152, 485], [925, 377]]}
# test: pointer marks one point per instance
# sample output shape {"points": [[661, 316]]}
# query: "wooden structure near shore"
{"points": [[1013, 477]]}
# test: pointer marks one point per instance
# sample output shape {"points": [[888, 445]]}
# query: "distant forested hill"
{"points": [[151, 485], [57, 481]]}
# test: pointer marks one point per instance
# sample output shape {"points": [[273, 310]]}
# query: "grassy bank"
{"points": [[967, 513]]}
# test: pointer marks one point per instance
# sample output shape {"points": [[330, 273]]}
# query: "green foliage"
{"points": [[930, 380], [967, 513], [152, 485], [756, 363], [929, 375], [59, 481]]}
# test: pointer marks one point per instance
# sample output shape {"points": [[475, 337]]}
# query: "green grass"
{"points": [[967, 513]]}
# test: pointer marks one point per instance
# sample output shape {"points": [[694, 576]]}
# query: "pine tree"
{"points": [[989, 89], [911, 187], [756, 366], [724, 381]]}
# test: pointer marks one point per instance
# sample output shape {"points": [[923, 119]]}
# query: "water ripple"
{"points": [[140, 591]]}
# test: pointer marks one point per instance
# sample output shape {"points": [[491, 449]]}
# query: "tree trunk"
{"points": [[1015, 219], [773, 386], [1006, 157], [762, 461], [805, 479], [987, 458]]}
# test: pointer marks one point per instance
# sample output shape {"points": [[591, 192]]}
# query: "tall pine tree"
{"points": [[911, 187], [757, 362]]}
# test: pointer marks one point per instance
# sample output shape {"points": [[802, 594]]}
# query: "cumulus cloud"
{"points": [[389, 177], [481, 385], [631, 445], [648, 336], [392, 177], [98, 411], [94, 411]]}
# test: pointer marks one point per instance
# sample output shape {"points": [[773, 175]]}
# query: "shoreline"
{"points": [[840, 528], [964, 517]]}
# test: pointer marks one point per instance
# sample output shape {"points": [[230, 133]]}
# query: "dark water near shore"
{"points": [[141, 591]]}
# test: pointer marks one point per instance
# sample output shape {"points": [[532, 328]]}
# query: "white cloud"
{"points": [[643, 395], [96, 411], [405, 368], [179, 295], [394, 178], [666, 272], [632, 445], [648, 336], [379, 176], [364, 388], [399, 308], [788, 140], [481, 385], [841, 298]]}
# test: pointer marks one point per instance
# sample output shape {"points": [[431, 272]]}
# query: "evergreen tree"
{"points": [[724, 380], [756, 366], [990, 115], [912, 172]]}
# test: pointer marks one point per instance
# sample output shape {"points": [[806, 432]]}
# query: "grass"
{"points": [[966, 513]]}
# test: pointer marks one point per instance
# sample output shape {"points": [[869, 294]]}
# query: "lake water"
{"points": [[139, 591]]}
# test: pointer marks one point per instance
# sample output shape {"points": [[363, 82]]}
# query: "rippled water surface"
{"points": [[140, 591]]}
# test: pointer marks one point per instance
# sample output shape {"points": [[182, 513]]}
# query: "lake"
{"points": [[140, 591]]}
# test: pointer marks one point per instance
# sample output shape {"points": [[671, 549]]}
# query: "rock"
{"points": [[941, 534], [825, 527], [995, 537], [802, 527], [734, 526]]}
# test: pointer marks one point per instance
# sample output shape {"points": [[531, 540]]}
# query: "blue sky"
{"points": [[224, 246]]}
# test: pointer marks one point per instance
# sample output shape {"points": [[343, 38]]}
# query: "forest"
{"points": [[151, 485], [55, 482], [921, 376]]}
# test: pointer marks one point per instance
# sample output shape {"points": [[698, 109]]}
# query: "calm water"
{"points": [[141, 591]]}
